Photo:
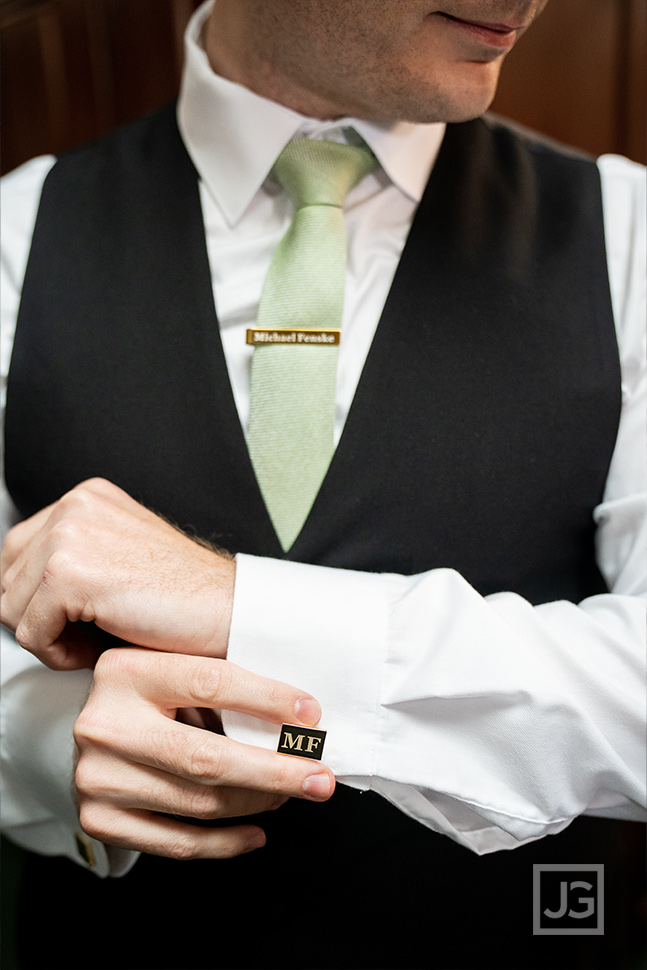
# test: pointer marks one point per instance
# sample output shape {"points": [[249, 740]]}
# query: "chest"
{"points": [[484, 419]]}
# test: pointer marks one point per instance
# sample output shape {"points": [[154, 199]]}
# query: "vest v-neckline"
{"points": [[361, 405]]}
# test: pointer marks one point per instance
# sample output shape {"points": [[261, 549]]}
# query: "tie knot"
{"points": [[321, 172]]}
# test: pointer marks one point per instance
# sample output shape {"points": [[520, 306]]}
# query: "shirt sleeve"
{"points": [[484, 718], [39, 706]]}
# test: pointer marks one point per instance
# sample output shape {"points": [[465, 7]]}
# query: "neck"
{"points": [[239, 55]]}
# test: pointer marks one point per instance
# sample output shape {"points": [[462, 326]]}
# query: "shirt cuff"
{"points": [[39, 708], [295, 631], [486, 719]]}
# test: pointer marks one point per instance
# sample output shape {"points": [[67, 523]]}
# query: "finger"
{"points": [[159, 835], [124, 785], [19, 538], [171, 681], [206, 759], [165, 682], [207, 802], [49, 593], [40, 618], [77, 646]]}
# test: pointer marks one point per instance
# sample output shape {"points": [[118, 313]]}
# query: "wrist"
{"points": [[221, 594], [324, 631]]}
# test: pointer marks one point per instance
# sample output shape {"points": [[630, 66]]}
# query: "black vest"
{"points": [[479, 439]]}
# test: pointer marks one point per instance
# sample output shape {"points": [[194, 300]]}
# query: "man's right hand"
{"points": [[141, 772], [97, 555]]}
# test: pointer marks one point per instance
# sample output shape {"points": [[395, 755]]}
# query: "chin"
{"points": [[473, 91], [429, 110], [455, 106], [466, 112], [459, 97]]}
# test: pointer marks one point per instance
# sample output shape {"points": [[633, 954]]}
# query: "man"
{"points": [[441, 613]]}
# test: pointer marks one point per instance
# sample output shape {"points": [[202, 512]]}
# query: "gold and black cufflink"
{"points": [[84, 848], [301, 742]]}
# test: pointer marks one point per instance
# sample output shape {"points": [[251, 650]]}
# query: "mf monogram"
{"points": [[300, 741], [568, 900]]}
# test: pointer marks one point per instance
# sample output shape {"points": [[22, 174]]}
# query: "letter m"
{"points": [[290, 742]]}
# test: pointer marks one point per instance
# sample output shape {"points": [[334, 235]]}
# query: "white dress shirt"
{"points": [[486, 719]]}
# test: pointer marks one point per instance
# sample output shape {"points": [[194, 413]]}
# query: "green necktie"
{"points": [[292, 393]]}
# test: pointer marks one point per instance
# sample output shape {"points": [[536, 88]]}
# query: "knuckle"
{"points": [[287, 776], [118, 665], [94, 819], [95, 727], [275, 695], [88, 779], [7, 612], [25, 636], [8, 575], [74, 503], [66, 550], [63, 533], [92, 495], [97, 484], [184, 846], [111, 661], [207, 761], [283, 781], [82, 503], [28, 637], [203, 803], [12, 542], [62, 568], [82, 730], [208, 680]]}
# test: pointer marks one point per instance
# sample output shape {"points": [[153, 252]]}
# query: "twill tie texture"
{"points": [[292, 393]]}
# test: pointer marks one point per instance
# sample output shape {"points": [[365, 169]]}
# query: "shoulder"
{"points": [[20, 193], [504, 131], [79, 168], [538, 171], [624, 183], [624, 199], [123, 163]]}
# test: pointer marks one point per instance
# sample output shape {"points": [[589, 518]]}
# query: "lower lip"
{"points": [[491, 34]]}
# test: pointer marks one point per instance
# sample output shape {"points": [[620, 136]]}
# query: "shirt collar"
{"points": [[234, 136]]}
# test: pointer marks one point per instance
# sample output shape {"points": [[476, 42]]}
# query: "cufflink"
{"points": [[301, 742], [84, 848]]}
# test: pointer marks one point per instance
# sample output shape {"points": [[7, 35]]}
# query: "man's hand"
{"points": [[98, 556], [139, 768]]}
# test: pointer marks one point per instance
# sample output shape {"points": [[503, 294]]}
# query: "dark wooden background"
{"points": [[72, 69]]}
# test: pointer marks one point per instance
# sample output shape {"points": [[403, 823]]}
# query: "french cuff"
{"points": [[39, 709], [323, 631], [52, 838]]}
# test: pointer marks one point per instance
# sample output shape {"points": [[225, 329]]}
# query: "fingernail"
{"points": [[308, 711], [317, 786], [255, 841]]}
